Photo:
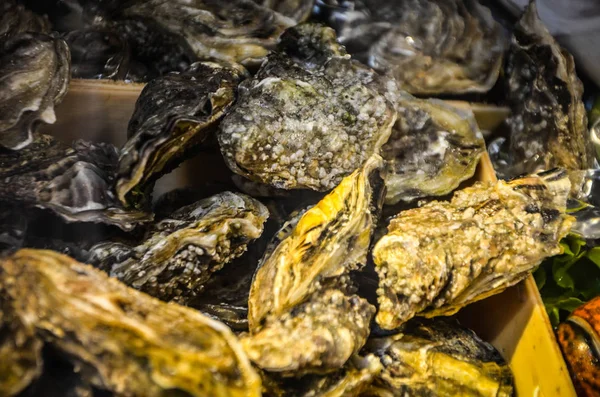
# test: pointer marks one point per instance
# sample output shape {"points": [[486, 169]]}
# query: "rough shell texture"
{"points": [[437, 258], [123, 341], [173, 115], [327, 241], [182, 251], [309, 117], [298, 10], [34, 77], [579, 338], [548, 122], [429, 46], [235, 30], [438, 358], [72, 181], [319, 335], [433, 147], [15, 19]]}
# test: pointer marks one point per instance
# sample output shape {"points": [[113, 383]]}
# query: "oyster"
{"points": [[298, 10], [72, 181], [16, 19], [309, 117], [440, 257], [325, 242], [438, 358], [123, 341], [302, 315], [548, 125], [98, 54], [181, 252], [34, 76], [433, 147], [173, 115], [235, 31], [429, 46]]}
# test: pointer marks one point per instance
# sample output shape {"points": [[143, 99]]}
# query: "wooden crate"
{"points": [[514, 321]]}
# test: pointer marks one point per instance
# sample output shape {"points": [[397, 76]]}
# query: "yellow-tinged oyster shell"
{"points": [[442, 256], [328, 240], [124, 341]]}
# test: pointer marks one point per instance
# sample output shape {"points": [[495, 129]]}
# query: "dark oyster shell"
{"points": [[98, 54], [72, 181], [235, 31], [298, 10], [548, 123], [15, 19], [309, 117], [34, 77], [438, 358], [173, 115], [432, 149], [122, 341], [430, 46], [444, 255], [181, 252]]}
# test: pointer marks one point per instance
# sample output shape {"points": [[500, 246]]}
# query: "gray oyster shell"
{"points": [[438, 357], [16, 19], [72, 181], [34, 77], [432, 149], [309, 117], [234, 30], [173, 115], [98, 54], [548, 125], [181, 252], [298, 10], [430, 46]]}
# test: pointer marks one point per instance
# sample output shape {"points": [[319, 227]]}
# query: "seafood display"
{"points": [[328, 250]]}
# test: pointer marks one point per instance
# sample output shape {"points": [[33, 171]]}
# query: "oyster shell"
{"points": [[34, 76], [325, 242], [440, 257], [235, 31], [123, 341], [72, 181], [309, 117], [433, 147], [16, 19], [98, 54], [438, 358], [180, 253], [548, 125], [298, 10], [429, 46], [173, 115]]}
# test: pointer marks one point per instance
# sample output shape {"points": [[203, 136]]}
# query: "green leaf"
{"points": [[540, 277], [594, 255], [554, 315], [576, 243]]}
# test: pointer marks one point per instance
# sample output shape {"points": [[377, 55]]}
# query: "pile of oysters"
{"points": [[330, 262]]}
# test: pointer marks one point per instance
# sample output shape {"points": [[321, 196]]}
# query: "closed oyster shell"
{"points": [[548, 125], [430, 46], [16, 19], [326, 241], [121, 340], [72, 181], [438, 358], [181, 252], [235, 31], [309, 117], [298, 10], [173, 115], [432, 149], [440, 257], [34, 77]]}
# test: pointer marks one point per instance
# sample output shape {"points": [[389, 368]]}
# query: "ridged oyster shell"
{"points": [[298, 10], [34, 77], [16, 19], [309, 117], [432, 149], [440, 257], [121, 340], [173, 115]]}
